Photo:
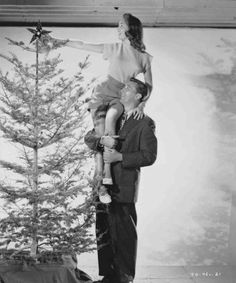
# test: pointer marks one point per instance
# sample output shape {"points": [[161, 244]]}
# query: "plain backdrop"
{"points": [[185, 197]]}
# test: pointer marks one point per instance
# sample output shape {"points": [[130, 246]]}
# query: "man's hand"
{"points": [[109, 141], [111, 155]]}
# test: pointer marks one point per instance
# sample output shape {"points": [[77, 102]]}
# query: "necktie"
{"points": [[123, 119]]}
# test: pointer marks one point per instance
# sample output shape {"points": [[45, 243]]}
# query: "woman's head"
{"points": [[131, 27]]}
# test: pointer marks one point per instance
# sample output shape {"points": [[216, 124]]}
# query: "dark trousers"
{"points": [[116, 239]]}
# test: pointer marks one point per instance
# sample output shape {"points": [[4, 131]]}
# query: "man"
{"points": [[116, 222]]}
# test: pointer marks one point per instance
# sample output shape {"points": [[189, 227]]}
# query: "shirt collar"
{"points": [[128, 113]]}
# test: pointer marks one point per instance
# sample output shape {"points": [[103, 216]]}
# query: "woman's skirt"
{"points": [[106, 93]]}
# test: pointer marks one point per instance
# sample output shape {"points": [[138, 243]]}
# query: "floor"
{"points": [[179, 274]]}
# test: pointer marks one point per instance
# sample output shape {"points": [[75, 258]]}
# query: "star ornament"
{"points": [[37, 32]]}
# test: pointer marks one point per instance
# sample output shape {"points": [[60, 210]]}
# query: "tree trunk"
{"points": [[34, 243], [232, 234]]}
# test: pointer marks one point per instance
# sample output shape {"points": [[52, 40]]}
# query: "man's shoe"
{"points": [[105, 279], [125, 278]]}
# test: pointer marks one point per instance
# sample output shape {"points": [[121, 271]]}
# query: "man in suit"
{"points": [[116, 222]]}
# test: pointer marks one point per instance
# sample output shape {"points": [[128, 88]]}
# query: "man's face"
{"points": [[129, 94]]}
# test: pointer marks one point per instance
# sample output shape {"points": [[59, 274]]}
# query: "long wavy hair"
{"points": [[135, 32]]}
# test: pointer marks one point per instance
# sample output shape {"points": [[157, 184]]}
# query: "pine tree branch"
{"points": [[13, 195], [21, 44], [6, 84], [20, 70], [63, 129], [47, 68], [30, 164], [5, 188], [18, 65], [55, 161], [45, 243], [42, 48], [14, 105], [24, 81], [3, 82], [17, 137], [10, 221], [68, 179], [16, 115], [56, 135], [46, 72], [26, 157], [65, 87], [3, 110], [14, 167]]}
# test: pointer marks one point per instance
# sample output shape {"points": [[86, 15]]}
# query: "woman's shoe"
{"points": [[107, 279], [103, 195]]}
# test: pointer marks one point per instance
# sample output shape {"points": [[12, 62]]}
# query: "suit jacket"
{"points": [[138, 145]]}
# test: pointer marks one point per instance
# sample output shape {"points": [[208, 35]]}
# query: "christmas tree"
{"points": [[48, 202]]}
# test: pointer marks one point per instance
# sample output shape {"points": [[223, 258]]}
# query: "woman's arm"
{"points": [[85, 46], [138, 112], [56, 43], [148, 82]]}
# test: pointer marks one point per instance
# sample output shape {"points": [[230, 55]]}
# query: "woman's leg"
{"points": [[113, 113], [98, 116]]}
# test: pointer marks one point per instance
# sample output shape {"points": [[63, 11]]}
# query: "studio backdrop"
{"points": [[186, 199]]}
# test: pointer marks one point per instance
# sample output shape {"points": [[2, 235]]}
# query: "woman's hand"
{"points": [[52, 43], [138, 111]]}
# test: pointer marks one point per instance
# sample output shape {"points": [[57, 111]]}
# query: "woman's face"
{"points": [[122, 28]]}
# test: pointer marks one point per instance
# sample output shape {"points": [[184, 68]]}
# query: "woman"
{"points": [[127, 59]]}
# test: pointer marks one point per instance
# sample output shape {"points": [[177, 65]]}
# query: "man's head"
{"points": [[133, 93]]}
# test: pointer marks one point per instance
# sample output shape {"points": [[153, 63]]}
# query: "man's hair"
{"points": [[140, 88]]}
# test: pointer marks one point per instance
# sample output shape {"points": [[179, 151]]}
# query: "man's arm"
{"points": [[95, 142], [144, 157]]}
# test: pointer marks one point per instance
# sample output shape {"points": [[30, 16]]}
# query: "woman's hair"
{"points": [[135, 32]]}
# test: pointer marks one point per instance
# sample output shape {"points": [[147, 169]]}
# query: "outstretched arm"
{"points": [[85, 46], [56, 43]]}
